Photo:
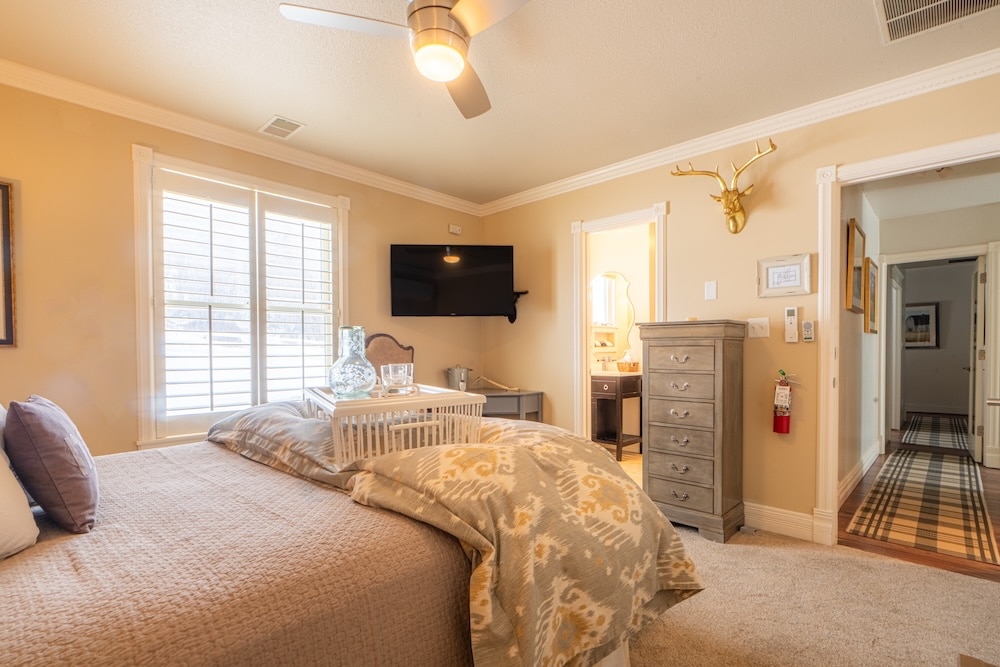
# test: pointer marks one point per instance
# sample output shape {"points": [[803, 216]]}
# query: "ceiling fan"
{"points": [[439, 33]]}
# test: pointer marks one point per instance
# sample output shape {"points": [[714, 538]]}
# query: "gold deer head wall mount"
{"points": [[732, 207]]}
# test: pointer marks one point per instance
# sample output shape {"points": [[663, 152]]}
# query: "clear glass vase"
{"points": [[352, 375]]}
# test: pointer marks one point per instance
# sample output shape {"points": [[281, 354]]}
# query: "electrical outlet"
{"points": [[758, 327], [454, 229]]}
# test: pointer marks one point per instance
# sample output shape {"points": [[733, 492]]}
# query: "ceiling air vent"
{"points": [[905, 18], [279, 127]]}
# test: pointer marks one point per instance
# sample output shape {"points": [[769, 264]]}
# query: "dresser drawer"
{"points": [[682, 468], [682, 413], [681, 358], [679, 440], [688, 496], [681, 385]]}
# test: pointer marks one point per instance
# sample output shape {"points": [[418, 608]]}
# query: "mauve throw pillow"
{"points": [[51, 459]]}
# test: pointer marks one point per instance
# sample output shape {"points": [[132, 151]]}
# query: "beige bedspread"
{"points": [[202, 557], [569, 556]]}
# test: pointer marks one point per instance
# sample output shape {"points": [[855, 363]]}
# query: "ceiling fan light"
{"points": [[439, 54]]}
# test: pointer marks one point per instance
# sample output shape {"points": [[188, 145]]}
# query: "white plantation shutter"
{"points": [[244, 288]]}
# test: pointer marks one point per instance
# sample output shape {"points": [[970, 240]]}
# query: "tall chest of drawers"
{"points": [[692, 411]]}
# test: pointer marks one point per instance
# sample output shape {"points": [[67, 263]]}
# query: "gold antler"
{"points": [[757, 155], [730, 195]]}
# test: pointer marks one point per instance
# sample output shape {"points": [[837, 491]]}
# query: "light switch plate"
{"points": [[711, 290], [758, 327]]}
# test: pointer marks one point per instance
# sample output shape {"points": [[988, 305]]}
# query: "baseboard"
{"points": [[782, 522], [938, 409], [857, 473]]}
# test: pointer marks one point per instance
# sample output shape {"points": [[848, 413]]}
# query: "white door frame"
{"points": [[830, 180], [890, 261], [657, 215]]}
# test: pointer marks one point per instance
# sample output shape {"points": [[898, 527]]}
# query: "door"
{"points": [[977, 360]]}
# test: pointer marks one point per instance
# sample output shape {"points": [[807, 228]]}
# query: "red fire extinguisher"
{"points": [[782, 404]]}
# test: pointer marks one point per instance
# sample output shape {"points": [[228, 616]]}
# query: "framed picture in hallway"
{"points": [[920, 325], [6, 264], [853, 271], [871, 295]]}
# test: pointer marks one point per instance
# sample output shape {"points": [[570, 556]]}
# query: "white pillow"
{"points": [[18, 529]]}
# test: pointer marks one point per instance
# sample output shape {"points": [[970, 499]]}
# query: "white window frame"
{"points": [[145, 161]]}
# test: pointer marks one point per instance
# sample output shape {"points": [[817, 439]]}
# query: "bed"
{"points": [[241, 551]]}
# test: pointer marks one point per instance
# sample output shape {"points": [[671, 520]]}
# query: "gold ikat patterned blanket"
{"points": [[569, 556]]}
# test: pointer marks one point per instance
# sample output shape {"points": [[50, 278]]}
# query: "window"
{"points": [[241, 294]]}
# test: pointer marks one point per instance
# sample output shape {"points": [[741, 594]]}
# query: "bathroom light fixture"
{"points": [[450, 257]]}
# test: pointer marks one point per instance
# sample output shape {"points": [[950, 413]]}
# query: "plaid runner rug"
{"points": [[929, 501], [937, 431]]}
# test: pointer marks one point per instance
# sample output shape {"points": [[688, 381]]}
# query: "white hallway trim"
{"points": [[944, 76]]}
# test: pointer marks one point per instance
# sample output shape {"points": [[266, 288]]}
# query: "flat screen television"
{"points": [[452, 280]]}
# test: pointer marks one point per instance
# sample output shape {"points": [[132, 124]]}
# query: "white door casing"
{"points": [[829, 182], [655, 215]]}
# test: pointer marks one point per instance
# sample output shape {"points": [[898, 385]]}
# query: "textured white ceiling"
{"points": [[576, 85]]}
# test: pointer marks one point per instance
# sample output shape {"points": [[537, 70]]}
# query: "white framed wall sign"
{"points": [[783, 276]]}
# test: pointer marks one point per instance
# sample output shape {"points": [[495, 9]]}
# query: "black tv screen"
{"points": [[452, 280]]}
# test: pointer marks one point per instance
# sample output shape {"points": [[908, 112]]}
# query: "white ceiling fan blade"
{"points": [[468, 93], [478, 15], [328, 19]]}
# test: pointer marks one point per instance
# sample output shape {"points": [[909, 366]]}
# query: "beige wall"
{"points": [[75, 270], [75, 273], [779, 470]]}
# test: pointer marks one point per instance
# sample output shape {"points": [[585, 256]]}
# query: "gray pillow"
{"points": [[52, 461]]}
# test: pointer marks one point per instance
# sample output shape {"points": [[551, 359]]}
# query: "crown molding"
{"points": [[67, 90], [944, 76], [937, 78]]}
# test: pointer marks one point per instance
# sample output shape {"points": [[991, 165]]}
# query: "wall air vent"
{"points": [[279, 127], [899, 19]]}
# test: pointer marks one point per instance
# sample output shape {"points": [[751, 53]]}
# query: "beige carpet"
{"points": [[773, 601]]}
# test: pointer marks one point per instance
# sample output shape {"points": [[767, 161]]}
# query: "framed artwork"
{"points": [[920, 325], [6, 264], [871, 295], [854, 270], [781, 276]]}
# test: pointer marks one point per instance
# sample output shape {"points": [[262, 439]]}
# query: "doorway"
{"points": [[653, 251], [830, 182], [943, 374]]}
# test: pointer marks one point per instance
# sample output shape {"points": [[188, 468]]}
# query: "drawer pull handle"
{"points": [[605, 387], [679, 360], [680, 471], [679, 496], [680, 415], [682, 443], [683, 387]]}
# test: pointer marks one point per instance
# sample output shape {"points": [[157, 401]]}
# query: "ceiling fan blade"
{"points": [[328, 19], [468, 93], [478, 15]]}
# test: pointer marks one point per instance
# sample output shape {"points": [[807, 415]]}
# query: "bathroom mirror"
{"points": [[612, 317]]}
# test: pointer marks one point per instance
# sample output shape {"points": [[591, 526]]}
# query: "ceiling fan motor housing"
{"points": [[430, 22]]}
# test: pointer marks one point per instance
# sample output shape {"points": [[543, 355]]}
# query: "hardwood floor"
{"points": [[991, 488]]}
